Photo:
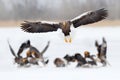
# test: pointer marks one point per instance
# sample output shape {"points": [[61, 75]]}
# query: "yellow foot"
{"points": [[70, 40], [66, 40]]}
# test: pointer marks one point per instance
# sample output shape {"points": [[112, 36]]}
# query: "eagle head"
{"points": [[65, 26]]}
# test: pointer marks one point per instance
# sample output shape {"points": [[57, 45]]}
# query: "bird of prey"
{"points": [[102, 51], [33, 53], [59, 62], [65, 26], [19, 59], [90, 58]]}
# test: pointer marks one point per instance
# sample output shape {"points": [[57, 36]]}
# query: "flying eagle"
{"points": [[85, 18]]}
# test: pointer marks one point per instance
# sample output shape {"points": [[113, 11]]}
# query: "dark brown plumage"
{"points": [[32, 55], [59, 62], [37, 27], [34, 52], [102, 51], [92, 60], [90, 17], [18, 59], [86, 18], [23, 47]]}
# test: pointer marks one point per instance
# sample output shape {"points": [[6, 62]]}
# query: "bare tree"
{"points": [[3, 12], [26, 10], [56, 10]]}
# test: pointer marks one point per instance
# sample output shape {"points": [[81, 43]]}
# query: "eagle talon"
{"points": [[70, 40], [66, 40]]}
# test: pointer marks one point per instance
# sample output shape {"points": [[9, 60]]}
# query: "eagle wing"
{"points": [[39, 27], [11, 49], [104, 48], [22, 47], [45, 49], [90, 17]]}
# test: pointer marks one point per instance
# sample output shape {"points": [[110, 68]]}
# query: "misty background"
{"points": [[54, 9]]}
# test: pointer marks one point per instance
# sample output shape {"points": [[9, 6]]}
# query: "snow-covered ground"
{"points": [[83, 39]]}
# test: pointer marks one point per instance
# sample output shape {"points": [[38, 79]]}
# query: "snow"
{"points": [[83, 39]]}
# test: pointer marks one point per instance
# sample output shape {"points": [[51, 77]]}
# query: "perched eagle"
{"points": [[85, 18]]}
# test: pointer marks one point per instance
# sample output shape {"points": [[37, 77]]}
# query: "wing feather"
{"points": [[90, 17], [11, 49], [45, 49], [22, 47], [38, 27]]}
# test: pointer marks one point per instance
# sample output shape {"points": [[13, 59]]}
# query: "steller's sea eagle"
{"points": [[85, 18]]}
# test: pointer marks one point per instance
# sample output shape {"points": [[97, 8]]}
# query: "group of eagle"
{"points": [[65, 26], [35, 57], [43, 27]]}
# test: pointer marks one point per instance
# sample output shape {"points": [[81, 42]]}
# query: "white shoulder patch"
{"points": [[49, 22], [86, 13]]}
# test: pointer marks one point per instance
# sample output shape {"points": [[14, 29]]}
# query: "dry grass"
{"points": [[106, 23], [10, 23], [101, 23]]}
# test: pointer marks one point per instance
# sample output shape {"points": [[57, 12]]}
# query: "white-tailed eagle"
{"points": [[85, 18]]}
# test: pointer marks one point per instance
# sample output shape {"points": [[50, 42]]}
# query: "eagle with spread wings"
{"points": [[84, 19]]}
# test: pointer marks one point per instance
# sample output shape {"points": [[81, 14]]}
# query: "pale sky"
{"points": [[41, 2]]}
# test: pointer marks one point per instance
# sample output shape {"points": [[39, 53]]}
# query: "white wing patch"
{"points": [[49, 22], [86, 13]]}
